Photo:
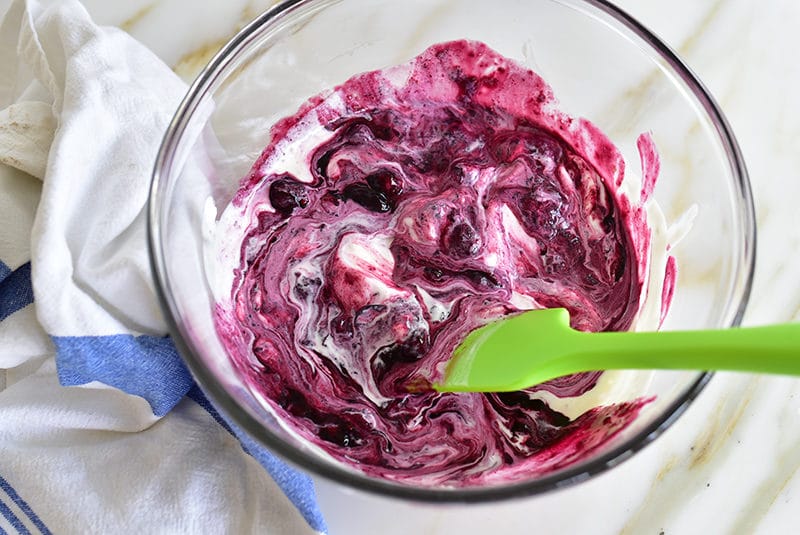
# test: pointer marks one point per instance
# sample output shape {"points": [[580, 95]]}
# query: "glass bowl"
{"points": [[601, 64]]}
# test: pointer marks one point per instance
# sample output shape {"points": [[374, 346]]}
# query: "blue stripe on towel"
{"points": [[149, 367], [13, 519], [146, 366], [16, 290], [297, 486], [23, 506], [198, 396]]}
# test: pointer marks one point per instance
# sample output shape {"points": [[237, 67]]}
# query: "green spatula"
{"points": [[536, 346]]}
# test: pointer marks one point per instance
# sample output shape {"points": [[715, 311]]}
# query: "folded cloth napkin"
{"points": [[136, 447]]}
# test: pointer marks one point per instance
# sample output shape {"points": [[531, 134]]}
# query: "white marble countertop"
{"points": [[730, 464]]}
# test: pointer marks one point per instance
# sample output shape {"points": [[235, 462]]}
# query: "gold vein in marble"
{"points": [[650, 82], [682, 201], [666, 468], [191, 63], [784, 469], [716, 436], [795, 315], [680, 479], [707, 278], [764, 495], [128, 24], [691, 42]]}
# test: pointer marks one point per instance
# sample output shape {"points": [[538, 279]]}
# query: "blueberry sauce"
{"points": [[392, 215]]}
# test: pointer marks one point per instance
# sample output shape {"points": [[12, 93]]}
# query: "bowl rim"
{"points": [[563, 478]]}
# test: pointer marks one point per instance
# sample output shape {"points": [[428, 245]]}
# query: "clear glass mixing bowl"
{"points": [[602, 65]]}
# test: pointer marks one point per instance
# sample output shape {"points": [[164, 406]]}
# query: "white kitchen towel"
{"points": [[136, 447]]}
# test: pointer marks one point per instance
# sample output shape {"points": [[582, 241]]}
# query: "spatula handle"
{"points": [[769, 349]]}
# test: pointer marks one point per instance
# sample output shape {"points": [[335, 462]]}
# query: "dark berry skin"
{"points": [[378, 193], [362, 194], [286, 195], [386, 183], [461, 241]]}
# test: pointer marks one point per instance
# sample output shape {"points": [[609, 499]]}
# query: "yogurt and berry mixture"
{"points": [[392, 215]]}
